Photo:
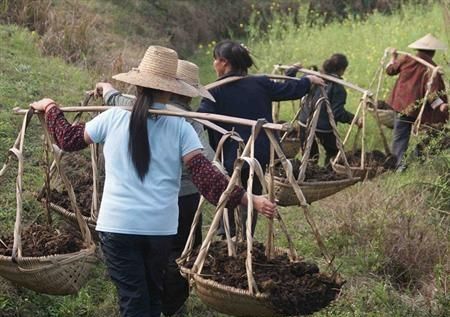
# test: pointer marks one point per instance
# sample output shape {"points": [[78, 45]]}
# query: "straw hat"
{"points": [[188, 72], [158, 70], [428, 42]]}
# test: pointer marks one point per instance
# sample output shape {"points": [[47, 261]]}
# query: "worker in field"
{"points": [[248, 97], [176, 287], [409, 90], [337, 95]]}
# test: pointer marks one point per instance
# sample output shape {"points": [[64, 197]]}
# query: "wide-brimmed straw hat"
{"points": [[428, 42], [189, 73], [158, 70]]}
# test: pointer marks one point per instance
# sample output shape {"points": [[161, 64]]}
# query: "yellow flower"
{"points": [[200, 46], [241, 25]]}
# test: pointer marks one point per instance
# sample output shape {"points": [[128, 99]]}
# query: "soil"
{"points": [[314, 172], [373, 159], [41, 240], [79, 171], [293, 287]]}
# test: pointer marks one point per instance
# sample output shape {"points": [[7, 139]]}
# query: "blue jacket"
{"points": [[250, 98]]}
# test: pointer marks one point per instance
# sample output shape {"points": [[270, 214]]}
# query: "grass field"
{"points": [[390, 236]]}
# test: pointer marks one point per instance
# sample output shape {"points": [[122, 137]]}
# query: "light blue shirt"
{"points": [[129, 205]]}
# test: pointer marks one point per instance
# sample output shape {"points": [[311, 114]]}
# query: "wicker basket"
{"points": [[59, 274], [290, 146], [312, 191], [62, 274], [233, 301], [365, 173], [386, 116]]}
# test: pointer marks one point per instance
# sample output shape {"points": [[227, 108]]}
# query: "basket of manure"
{"points": [[286, 287], [375, 163], [40, 258], [319, 183]]}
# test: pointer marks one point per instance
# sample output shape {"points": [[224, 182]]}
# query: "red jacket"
{"points": [[411, 85]]}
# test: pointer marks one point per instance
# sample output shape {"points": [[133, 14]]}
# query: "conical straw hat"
{"points": [[158, 70], [188, 72], [428, 42]]}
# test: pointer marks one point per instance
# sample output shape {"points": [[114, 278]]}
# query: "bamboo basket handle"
{"points": [[84, 229], [199, 262], [335, 133], [347, 135], [270, 248], [417, 122], [291, 122], [301, 199], [310, 139], [248, 263], [17, 150], [26, 121]]}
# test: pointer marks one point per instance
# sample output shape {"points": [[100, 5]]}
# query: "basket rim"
{"points": [[230, 289], [368, 168], [282, 181], [51, 257]]}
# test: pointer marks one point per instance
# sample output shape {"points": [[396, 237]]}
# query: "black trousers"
{"points": [[176, 287], [328, 141], [136, 265]]}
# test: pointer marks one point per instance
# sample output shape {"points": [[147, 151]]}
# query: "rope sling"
{"points": [[58, 274]]}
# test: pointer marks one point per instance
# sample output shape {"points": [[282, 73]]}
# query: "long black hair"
{"points": [[335, 63], [138, 143], [236, 54]]}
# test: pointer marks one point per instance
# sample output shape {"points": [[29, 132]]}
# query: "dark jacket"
{"points": [[337, 96], [250, 98]]}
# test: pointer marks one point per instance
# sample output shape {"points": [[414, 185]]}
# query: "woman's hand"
{"points": [[443, 107], [43, 105], [316, 80], [102, 88], [264, 206]]}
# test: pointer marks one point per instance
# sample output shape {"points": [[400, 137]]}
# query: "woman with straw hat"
{"points": [[143, 156], [409, 91], [176, 287]]}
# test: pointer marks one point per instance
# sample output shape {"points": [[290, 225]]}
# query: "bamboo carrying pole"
{"points": [[321, 75], [187, 114]]}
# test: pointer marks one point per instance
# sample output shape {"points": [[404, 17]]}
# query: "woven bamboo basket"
{"points": [[290, 146], [362, 173], [312, 191], [59, 274], [62, 274], [386, 116], [233, 301]]}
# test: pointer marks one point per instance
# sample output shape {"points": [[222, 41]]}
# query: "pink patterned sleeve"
{"points": [[68, 137], [211, 183]]}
